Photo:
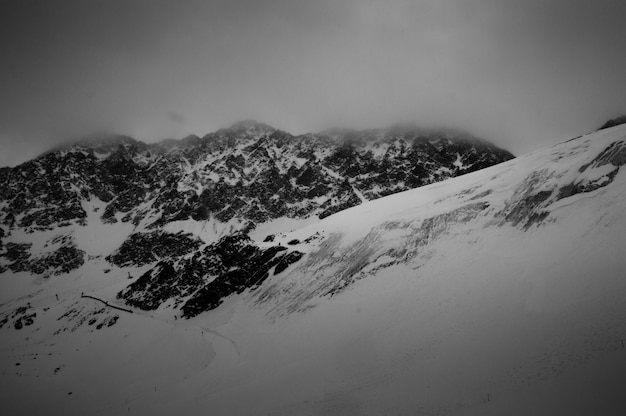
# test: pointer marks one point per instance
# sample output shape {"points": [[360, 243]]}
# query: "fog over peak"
{"points": [[520, 74]]}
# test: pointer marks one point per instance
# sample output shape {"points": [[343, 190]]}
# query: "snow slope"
{"points": [[498, 292]]}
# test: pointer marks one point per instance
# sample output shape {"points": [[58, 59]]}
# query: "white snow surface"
{"points": [[446, 309]]}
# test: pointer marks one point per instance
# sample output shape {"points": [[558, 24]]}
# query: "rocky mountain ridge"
{"points": [[237, 178]]}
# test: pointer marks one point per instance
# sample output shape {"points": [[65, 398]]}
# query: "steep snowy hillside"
{"points": [[497, 292]]}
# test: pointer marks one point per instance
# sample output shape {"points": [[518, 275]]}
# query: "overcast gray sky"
{"points": [[521, 73]]}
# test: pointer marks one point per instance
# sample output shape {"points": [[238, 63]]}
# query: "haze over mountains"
{"points": [[392, 271]]}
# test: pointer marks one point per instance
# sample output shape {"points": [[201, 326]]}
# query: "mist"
{"points": [[520, 74]]}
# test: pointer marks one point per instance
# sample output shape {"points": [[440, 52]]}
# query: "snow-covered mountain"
{"points": [[184, 194], [497, 292]]}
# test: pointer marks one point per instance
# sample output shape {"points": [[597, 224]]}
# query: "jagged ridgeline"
{"points": [[236, 179], [249, 171]]}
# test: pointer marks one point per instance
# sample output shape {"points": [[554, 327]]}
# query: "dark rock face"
{"points": [[18, 255], [287, 260], [63, 260], [245, 175], [152, 288], [19, 318], [229, 266], [615, 155], [249, 171], [144, 248], [248, 272], [614, 122]]}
